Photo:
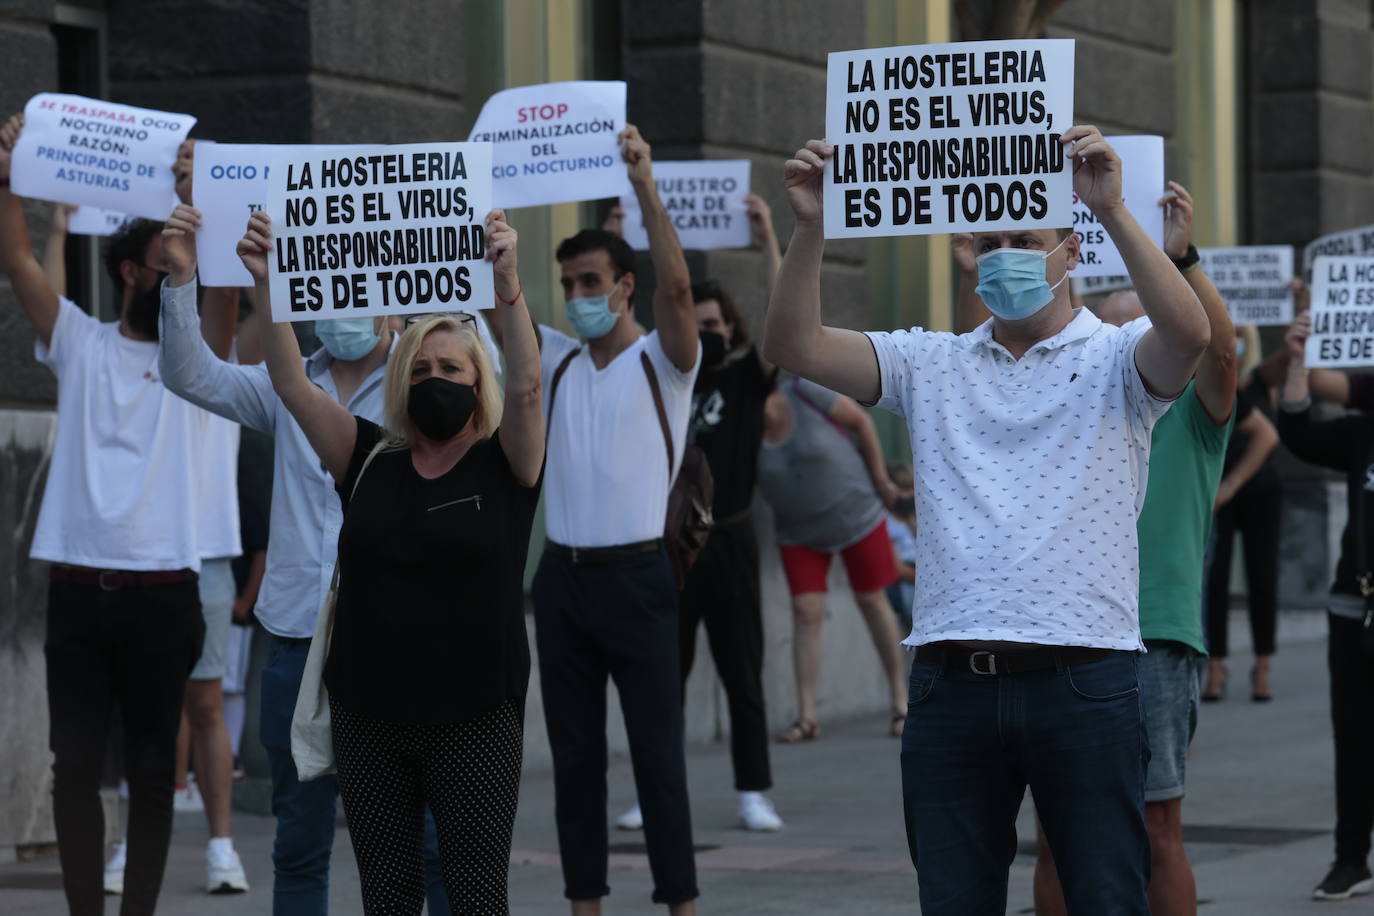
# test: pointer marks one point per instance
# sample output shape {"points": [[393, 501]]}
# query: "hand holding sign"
{"points": [[1295, 341], [179, 243], [803, 177], [635, 150], [1096, 168], [1178, 220], [501, 251], [760, 218], [9, 135], [183, 170], [256, 245]]}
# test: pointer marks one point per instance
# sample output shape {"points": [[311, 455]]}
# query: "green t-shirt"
{"points": [[1187, 450]]}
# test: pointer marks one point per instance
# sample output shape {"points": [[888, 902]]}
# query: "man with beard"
{"points": [[119, 525]]}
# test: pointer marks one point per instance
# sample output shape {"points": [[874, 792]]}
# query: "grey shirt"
{"points": [[816, 481]]}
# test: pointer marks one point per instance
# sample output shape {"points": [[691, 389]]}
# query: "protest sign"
{"points": [[555, 142], [1093, 286], [95, 221], [1351, 243], [1142, 185], [1253, 281], [1342, 313], [76, 150], [704, 199], [229, 183], [379, 230], [949, 138]]}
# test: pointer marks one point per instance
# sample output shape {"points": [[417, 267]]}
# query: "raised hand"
{"points": [[1302, 295], [61, 218], [615, 222], [9, 135], [256, 245], [1096, 168], [502, 242], [179, 242], [1178, 220], [184, 168], [801, 176], [760, 218], [1295, 340], [961, 246], [636, 152]]}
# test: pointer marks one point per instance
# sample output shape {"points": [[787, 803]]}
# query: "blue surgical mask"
{"points": [[1240, 348], [1012, 284], [347, 338], [591, 316]]}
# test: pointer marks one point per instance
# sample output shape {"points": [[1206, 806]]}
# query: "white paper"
{"points": [[76, 150], [555, 142], [1253, 281], [1142, 185], [926, 138], [95, 221], [1342, 313], [1348, 243], [380, 230], [705, 200], [1092, 286], [229, 183]]}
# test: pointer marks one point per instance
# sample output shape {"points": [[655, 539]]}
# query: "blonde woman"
{"points": [[428, 663]]}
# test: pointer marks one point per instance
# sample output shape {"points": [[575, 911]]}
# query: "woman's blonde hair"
{"points": [[486, 418]]}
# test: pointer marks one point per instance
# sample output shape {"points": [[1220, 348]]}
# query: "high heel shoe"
{"points": [[1216, 685], [1256, 696]]}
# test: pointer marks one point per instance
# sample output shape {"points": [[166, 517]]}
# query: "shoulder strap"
{"points": [[553, 384], [658, 404], [795, 384], [376, 450]]}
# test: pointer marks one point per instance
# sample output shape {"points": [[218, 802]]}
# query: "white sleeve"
{"points": [[896, 352], [70, 334], [1146, 407], [673, 377]]}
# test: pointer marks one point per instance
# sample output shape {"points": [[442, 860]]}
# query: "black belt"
{"points": [[292, 640], [987, 663], [604, 556], [114, 579]]}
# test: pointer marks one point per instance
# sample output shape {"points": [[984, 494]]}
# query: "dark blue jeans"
{"points": [[973, 743], [305, 811]]}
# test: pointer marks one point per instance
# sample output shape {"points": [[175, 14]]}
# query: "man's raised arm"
{"points": [[675, 317], [794, 338], [17, 260]]}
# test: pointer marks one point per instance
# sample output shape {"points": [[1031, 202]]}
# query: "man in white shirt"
{"points": [[605, 595], [119, 525], [1031, 437]]}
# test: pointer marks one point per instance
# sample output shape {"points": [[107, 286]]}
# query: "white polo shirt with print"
{"points": [[1030, 475]]}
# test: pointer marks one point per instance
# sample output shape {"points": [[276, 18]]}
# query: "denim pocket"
{"points": [[1110, 679], [923, 678]]}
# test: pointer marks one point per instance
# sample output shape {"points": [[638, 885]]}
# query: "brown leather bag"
{"points": [[688, 521]]}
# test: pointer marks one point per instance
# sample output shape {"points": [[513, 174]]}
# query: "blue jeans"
{"points": [[973, 743], [305, 811]]}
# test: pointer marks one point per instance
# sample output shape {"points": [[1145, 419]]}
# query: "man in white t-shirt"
{"points": [[605, 597], [1031, 438], [120, 527]]}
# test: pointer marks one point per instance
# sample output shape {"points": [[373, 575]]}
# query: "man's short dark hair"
{"points": [[711, 290], [129, 244], [588, 240]]}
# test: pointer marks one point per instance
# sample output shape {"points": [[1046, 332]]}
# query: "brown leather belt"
{"points": [[114, 579], [991, 664]]}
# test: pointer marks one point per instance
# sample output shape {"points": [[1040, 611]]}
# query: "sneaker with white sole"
{"points": [[114, 869], [1343, 882], [756, 813], [187, 798], [632, 819], [223, 870]]}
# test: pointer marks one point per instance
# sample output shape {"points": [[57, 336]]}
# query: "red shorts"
{"points": [[870, 564]]}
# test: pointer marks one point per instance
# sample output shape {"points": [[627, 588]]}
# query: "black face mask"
{"points": [[440, 408], [713, 349], [145, 309]]}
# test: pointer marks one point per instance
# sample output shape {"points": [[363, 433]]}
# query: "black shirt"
{"points": [[727, 424], [430, 623], [1254, 396]]}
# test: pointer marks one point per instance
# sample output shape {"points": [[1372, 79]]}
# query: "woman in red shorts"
{"points": [[822, 471]]}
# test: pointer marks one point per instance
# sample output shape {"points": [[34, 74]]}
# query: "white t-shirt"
{"points": [[606, 479], [1030, 475], [122, 489]]}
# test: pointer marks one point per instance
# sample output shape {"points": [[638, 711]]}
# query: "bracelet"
{"points": [[519, 289], [1189, 261]]}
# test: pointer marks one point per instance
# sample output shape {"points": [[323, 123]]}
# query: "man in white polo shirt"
{"points": [[1031, 437], [605, 597]]}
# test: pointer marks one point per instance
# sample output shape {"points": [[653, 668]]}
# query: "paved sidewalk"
{"points": [[1259, 815]]}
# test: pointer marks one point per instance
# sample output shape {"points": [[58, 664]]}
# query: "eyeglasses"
{"points": [[461, 316]]}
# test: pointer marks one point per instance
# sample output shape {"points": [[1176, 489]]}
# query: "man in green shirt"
{"points": [[1187, 449]]}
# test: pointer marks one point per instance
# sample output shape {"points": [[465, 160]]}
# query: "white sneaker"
{"points": [[187, 798], [114, 869], [633, 819], [223, 870], [756, 813]]}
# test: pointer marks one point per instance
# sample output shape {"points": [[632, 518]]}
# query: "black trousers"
{"points": [[1352, 721], [1255, 513], [617, 620], [723, 593], [131, 648]]}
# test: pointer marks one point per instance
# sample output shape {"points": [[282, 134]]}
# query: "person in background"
{"points": [[821, 469], [901, 530], [1345, 444]]}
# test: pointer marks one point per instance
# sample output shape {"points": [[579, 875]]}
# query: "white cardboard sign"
{"points": [[1349, 243], [555, 142], [379, 230], [1342, 313], [949, 138], [1092, 286], [705, 200], [95, 221], [1142, 184], [76, 150], [1253, 281]]}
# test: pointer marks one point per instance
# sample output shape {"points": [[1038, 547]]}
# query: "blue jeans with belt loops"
{"points": [[973, 743]]}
